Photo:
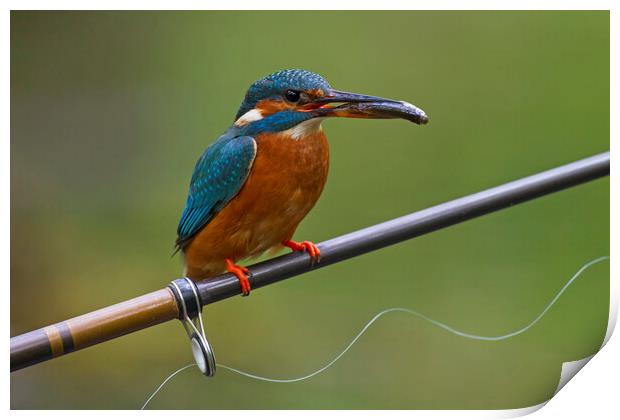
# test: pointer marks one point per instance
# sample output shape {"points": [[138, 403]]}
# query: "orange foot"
{"points": [[240, 272], [311, 248]]}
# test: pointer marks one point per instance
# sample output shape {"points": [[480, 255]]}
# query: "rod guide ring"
{"points": [[190, 314]]}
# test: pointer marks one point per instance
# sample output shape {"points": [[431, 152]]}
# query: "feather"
{"points": [[218, 176]]}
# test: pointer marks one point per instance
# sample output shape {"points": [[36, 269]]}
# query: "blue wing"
{"points": [[220, 173]]}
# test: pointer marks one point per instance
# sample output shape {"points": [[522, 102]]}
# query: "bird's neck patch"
{"points": [[304, 129], [250, 116]]}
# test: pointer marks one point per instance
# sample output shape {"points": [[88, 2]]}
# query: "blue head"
{"points": [[289, 97], [275, 87]]}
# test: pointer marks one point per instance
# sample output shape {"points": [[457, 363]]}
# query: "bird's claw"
{"points": [[241, 273], [309, 247]]}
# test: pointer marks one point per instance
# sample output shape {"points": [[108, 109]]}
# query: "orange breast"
{"points": [[285, 182]]}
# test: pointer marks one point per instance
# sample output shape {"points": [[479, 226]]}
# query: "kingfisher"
{"points": [[252, 186]]}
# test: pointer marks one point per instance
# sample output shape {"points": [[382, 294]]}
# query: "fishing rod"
{"points": [[183, 299]]}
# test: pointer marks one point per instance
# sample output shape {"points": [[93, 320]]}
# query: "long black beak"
{"points": [[354, 105]]}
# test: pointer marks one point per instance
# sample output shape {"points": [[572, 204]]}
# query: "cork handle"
{"points": [[92, 328]]}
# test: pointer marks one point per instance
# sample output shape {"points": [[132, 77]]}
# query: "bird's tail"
{"points": [[179, 245]]}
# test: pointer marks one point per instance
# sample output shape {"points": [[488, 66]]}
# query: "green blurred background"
{"points": [[110, 110]]}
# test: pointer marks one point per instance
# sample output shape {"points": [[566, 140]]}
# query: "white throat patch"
{"points": [[252, 115], [305, 128]]}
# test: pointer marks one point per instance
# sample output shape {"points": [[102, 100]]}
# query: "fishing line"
{"points": [[387, 311]]}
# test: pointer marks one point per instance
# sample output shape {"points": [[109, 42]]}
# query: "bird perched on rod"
{"points": [[254, 184]]}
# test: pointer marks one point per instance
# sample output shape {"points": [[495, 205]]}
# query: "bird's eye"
{"points": [[292, 95]]}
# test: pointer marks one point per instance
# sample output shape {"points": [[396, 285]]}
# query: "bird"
{"points": [[254, 184]]}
